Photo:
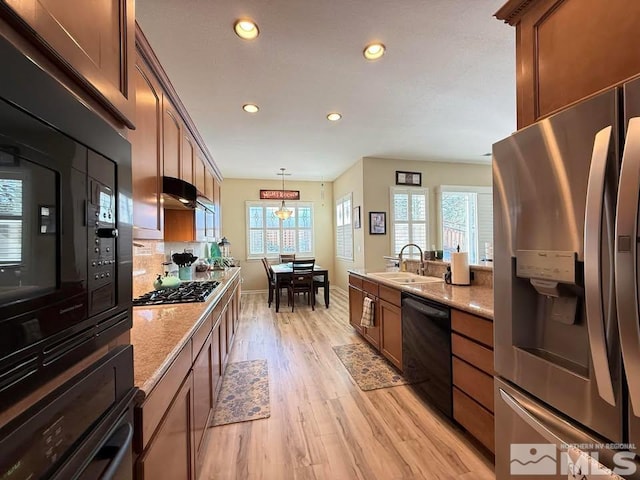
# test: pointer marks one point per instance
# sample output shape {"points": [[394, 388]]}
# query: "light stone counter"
{"points": [[473, 299], [160, 332]]}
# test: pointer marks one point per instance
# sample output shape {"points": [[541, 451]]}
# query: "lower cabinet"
{"points": [[171, 425], [355, 307], [386, 333], [171, 454], [472, 366], [391, 344]]}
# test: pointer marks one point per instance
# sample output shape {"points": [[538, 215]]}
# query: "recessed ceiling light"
{"points": [[250, 108], [334, 117], [374, 51], [246, 29]]}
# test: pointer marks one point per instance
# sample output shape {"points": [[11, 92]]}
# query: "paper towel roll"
{"points": [[460, 268]]}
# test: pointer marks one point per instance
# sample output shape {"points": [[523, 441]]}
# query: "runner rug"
{"points": [[368, 368], [244, 394]]}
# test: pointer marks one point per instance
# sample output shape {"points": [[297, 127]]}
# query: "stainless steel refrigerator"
{"points": [[567, 330]]}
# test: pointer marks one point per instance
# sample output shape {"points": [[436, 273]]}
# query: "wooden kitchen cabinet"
{"points": [[171, 454], [171, 140], [355, 307], [391, 325], [171, 422], [188, 158], [472, 370], [208, 185], [199, 172], [567, 50], [146, 165], [203, 397], [92, 41]]}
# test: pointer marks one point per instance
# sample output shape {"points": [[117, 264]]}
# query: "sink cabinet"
{"points": [[386, 334]]}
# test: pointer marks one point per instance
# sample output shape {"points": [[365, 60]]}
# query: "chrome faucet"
{"points": [[421, 269]]}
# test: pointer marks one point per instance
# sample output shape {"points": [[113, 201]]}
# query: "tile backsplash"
{"points": [[148, 257]]}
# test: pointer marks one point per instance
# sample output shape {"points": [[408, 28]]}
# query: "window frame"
{"points": [[392, 217], [475, 189], [290, 205], [346, 204]]}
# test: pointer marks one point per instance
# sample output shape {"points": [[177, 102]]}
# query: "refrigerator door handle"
{"points": [[532, 421], [593, 225], [626, 234]]}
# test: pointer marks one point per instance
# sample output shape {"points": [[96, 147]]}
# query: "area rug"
{"points": [[244, 394], [369, 369]]}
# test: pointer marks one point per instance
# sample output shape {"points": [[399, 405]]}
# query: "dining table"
{"points": [[283, 272]]}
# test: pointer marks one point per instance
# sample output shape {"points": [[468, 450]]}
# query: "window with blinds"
{"points": [[268, 236], [409, 217], [344, 228], [467, 220], [10, 221]]}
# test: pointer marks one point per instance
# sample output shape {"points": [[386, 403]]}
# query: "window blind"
{"points": [[409, 217]]}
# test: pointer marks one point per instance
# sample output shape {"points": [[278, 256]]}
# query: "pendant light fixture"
{"points": [[283, 212]]}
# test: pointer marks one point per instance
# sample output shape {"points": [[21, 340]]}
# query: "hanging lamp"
{"points": [[283, 212]]}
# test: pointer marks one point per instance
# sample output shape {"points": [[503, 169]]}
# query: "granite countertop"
{"points": [[159, 332], [473, 299]]}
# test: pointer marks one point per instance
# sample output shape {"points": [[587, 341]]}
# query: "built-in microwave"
{"points": [[65, 229]]}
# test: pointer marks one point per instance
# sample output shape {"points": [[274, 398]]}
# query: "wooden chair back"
{"points": [[286, 258]]}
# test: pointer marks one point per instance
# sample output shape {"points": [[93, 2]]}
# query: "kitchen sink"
{"points": [[405, 278]]}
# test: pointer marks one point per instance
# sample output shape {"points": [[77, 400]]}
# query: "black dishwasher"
{"points": [[426, 350]]}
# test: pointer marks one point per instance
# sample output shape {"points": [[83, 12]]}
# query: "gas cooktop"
{"points": [[186, 292]]}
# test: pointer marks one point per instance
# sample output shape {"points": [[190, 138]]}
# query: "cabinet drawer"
{"points": [[389, 294], [355, 281], [370, 287], [475, 419], [477, 355], [478, 385], [471, 326]]}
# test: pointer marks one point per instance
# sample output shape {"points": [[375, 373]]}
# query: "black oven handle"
{"points": [[117, 446]]}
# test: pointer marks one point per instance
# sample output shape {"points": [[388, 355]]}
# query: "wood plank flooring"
{"points": [[322, 426]]}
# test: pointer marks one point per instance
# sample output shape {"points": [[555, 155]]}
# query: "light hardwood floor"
{"points": [[322, 426]]}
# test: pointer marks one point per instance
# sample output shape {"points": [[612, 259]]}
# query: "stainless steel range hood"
{"points": [[178, 194]]}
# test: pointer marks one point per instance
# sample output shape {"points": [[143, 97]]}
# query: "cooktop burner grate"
{"points": [[186, 292]]}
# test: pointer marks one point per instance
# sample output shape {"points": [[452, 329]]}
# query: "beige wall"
{"points": [[351, 181], [235, 192], [379, 176]]}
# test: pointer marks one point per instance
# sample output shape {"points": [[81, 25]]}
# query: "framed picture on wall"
{"points": [[377, 223], [356, 217], [413, 179]]}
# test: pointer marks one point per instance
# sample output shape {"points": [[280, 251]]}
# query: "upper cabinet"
{"points": [[567, 50], [93, 41], [188, 158], [171, 140], [166, 143], [198, 172], [146, 153]]}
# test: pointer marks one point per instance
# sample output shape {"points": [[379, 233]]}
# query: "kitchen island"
{"points": [[471, 334], [180, 353]]}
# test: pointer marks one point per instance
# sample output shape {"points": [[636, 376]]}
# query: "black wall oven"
{"points": [[65, 228]]}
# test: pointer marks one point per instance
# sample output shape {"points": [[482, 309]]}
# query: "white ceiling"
{"points": [[444, 91]]}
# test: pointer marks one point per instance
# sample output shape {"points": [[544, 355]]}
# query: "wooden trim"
{"points": [[512, 11], [147, 53]]}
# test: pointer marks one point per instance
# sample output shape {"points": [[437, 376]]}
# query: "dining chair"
{"points": [[286, 258], [273, 288], [302, 281]]}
